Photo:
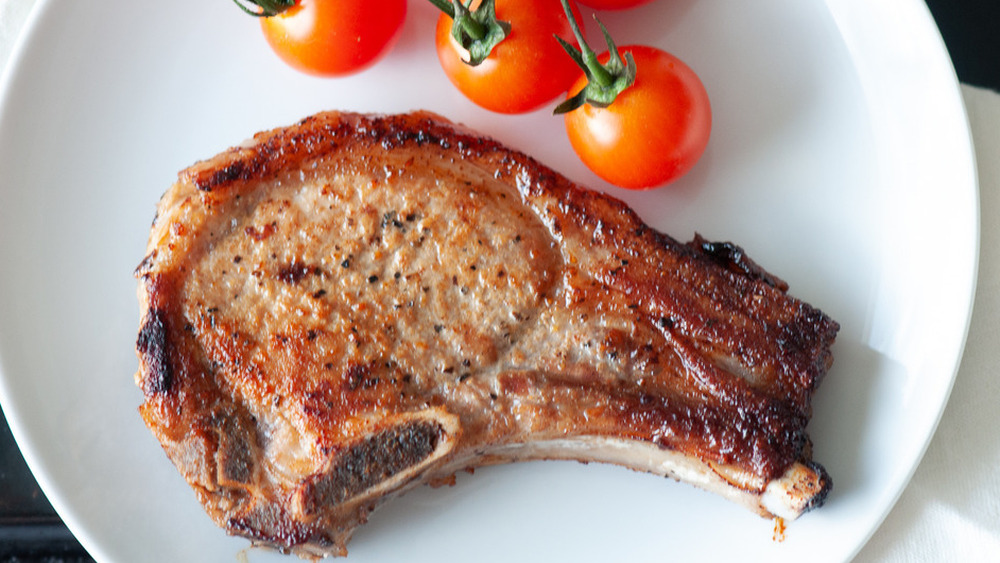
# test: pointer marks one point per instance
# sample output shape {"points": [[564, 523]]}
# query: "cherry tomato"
{"points": [[524, 71], [612, 4], [334, 37], [653, 132]]}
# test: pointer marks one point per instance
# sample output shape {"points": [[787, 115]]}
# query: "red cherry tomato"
{"points": [[334, 37], [613, 4], [653, 132], [524, 71]]}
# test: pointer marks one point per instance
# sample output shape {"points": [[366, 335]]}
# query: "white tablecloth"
{"points": [[951, 509]]}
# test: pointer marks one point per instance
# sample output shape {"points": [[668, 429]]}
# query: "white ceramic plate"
{"points": [[840, 160]]}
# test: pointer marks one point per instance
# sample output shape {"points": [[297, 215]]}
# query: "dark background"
{"points": [[971, 31], [30, 531]]}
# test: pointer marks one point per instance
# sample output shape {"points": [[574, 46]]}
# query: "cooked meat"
{"points": [[346, 308]]}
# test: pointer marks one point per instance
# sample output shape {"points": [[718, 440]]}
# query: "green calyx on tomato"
{"points": [[264, 8], [477, 31], [604, 81]]}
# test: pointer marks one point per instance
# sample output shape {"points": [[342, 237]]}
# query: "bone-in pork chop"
{"points": [[340, 310]]}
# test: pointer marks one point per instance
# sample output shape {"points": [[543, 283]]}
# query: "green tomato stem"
{"points": [[588, 59], [264, 8], [470, 27], [604, 82], [477, 31], [445, 6]]}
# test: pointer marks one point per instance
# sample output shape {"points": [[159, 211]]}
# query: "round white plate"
{"points": [[840, 159]]}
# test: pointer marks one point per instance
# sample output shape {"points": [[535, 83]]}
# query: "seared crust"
{"points": [[347, 307]]}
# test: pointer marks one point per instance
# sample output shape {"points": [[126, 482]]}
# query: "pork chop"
{"points": [[343, 309]]}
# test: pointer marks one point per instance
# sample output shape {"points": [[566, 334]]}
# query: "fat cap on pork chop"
{"points": [[343, 309]]}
